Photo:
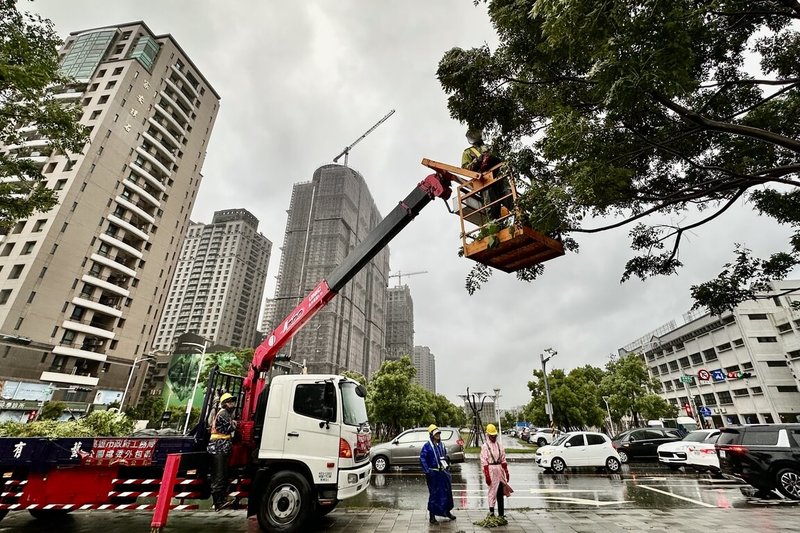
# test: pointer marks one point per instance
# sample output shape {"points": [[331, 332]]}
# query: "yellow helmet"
{"points": [[225, 397], [491, 430], [432, 428]]}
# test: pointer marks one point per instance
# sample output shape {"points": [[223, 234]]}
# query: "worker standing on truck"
{"points": [[219, 446], [436, 465]]}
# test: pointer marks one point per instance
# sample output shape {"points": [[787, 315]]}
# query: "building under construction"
{"points": [[327, 217]]}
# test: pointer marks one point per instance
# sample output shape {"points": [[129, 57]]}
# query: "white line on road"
{"points": [[698, 502]]}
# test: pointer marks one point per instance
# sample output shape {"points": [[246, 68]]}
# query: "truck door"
{"points": [[313, 428]]}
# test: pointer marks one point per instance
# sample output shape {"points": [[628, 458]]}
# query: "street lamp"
{"points": [[497, 409], [610, 422], [190, 403], [549, 406], [136, 361]]}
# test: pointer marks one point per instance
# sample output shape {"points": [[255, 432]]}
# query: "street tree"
{"points": [[645, 114], [626, 383], [652, 407], [29, 75], [389, 396], [576, 397]]}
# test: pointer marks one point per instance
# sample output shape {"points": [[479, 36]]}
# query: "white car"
{"points": [[579, 448], [702, 456], [542, 436], [675, 454]]}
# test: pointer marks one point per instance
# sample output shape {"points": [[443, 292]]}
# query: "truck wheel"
{"points": [[380, 464], [48, 514], [286, 504], [788, 482]]}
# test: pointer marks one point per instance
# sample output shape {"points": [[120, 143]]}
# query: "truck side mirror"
{"points": [[361, 390]]}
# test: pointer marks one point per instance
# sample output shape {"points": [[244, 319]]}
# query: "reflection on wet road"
{"points": [[637, 486]]}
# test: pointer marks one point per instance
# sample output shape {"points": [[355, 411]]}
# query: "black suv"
{"points": [[642, 443], [764, 456]]}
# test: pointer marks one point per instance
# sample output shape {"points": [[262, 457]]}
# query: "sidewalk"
{"points": [[761, 519]]}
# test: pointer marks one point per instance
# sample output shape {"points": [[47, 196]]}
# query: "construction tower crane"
{"points": [[399, 275], [346, 151]]}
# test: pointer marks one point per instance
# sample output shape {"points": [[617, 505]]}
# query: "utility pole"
{"points": [[346, 151], [549, 407]]}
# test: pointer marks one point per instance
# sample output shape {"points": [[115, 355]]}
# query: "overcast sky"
{"points": [[300, 80]]}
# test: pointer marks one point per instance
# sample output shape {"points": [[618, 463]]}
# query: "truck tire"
{"points": [[286, 504]]}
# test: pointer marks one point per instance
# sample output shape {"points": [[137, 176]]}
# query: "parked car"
{"points": [[766, 457], [675, 454], [702, 456], [576, 449], [643, 443], [404, 449], [542, 436]]}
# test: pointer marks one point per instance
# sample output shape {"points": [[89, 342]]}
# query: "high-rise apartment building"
{"points": [[82, 286], [327, 218], [268, 317], [425, 363], [399, 322], [740, 367], [219, 282]]}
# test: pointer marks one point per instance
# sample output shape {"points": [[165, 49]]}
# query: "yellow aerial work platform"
{"points": [[491, 231]]}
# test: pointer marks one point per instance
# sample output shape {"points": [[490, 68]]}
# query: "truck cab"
{"points": [[313, 451]]}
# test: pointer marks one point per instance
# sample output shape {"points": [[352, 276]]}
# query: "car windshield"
{"points": [[561, 439], [696, 436], [353, 407]]}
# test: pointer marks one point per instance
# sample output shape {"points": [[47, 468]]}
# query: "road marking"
{"points": [[698, 502]]}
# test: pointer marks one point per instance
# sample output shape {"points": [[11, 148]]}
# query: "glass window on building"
{"points": [[709, 399], [145, 51], [87, 52], [725, 397], [697, 359]]}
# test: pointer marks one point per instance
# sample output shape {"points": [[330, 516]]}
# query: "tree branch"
{"points": [[735, 129], [724, 84]]}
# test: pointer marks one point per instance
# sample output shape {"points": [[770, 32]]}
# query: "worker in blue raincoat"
{"points": [[436, 466]]}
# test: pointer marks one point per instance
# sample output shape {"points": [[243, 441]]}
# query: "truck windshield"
{"points": [[354, 410]]}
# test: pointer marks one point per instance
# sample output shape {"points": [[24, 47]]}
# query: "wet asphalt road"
{"points": [[639, 486]]}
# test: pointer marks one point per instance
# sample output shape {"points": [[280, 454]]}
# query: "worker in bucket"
{"points": [[220, 446], [436, 466], [478, 157]]}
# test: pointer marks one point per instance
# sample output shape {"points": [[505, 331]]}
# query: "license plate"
{"points": [[722, 453]]}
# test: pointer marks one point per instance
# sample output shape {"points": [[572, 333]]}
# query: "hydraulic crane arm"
{"points": [[433, 186]]}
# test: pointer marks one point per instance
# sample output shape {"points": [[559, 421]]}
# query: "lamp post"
{"points": [[136, 361], [497, 409], [610, 422], [190, 403], [549, 406]]}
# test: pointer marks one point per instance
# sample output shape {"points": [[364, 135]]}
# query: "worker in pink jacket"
{"points": [[495, 472]]}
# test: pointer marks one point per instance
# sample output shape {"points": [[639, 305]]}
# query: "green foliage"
{"points": [[630, 108], [626, 382], [355, 376], [52, 410], [652, 407], [96, 424], [394, 402], [28, 73], [236, 363], [150, 408]]}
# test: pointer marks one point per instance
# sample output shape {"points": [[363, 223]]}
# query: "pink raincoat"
{"points": [[493, 461]]}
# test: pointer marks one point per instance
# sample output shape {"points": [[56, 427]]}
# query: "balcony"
{"points": [[161, 147], [70, 379], [170, 118], [185, 81], [153, 161], [121, 244], [127, 226], [88, 329], [166, 132], [95, 305], [112, 263], [151, 180], [185, 98], [121, 200], [99, 281]]}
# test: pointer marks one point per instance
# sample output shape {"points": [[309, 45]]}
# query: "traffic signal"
{"points": [[688, 408], [737, 374]]}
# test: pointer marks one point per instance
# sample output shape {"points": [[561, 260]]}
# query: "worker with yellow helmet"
{"points": [[495, 473], [220, 446], [436, 465]]}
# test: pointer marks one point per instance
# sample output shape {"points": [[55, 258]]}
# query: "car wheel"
{"points": [[623, 456], [541, 442], [558, 465], [612, 465], [380, 463], [788, 482]]}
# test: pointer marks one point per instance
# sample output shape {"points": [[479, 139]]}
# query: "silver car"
{"points": [[404, 449]]}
